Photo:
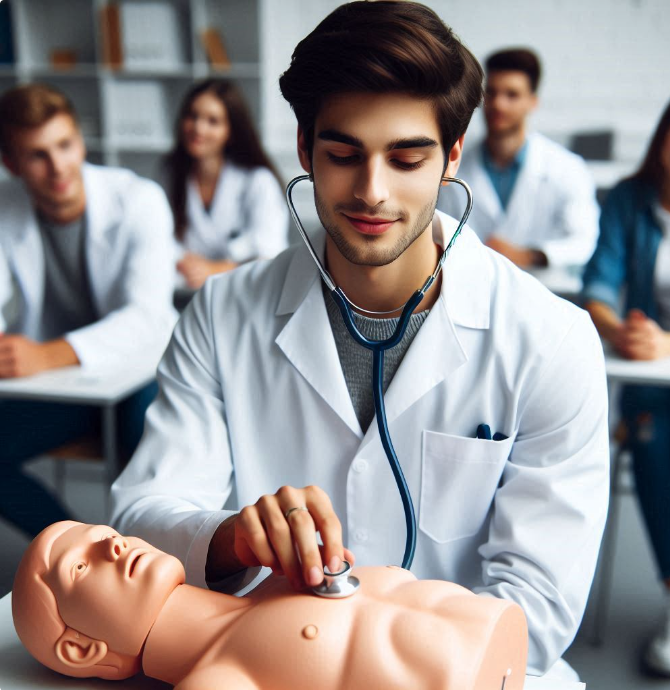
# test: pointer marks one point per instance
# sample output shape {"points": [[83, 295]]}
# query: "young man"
{"points": [[534, 200], [263, 391], [85, 257]]}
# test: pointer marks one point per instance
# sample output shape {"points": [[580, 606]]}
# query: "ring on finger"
{"points": [[290, 510]]}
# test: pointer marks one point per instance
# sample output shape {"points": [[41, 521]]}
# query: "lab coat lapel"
{"points": [[28, 260], [464, 300], [307, 338], [525, 188], [102, 218], [486, 199]]}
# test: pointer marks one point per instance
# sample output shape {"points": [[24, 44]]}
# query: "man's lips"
{"points": [[60, 185], [369, 226]]}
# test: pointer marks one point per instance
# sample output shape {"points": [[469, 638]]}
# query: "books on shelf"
{"points": [[150, 36], [138, 115], [215, 48], [110, 26]]}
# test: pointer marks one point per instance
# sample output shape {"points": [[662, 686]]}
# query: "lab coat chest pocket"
{"points": [[459, 477]]}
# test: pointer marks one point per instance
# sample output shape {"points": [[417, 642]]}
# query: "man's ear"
{"points": [[454, 159], [303, 151], [79, 651], [10, 164]]}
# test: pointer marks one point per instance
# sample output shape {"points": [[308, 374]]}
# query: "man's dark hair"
{"points": [[384, 47], [516, 60]]}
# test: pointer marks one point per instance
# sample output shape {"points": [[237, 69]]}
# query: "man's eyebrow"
{"points": [[410, 143], [340, 138]]}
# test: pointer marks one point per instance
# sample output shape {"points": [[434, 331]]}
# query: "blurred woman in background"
{"points": [[633, 255], [226, 196]]}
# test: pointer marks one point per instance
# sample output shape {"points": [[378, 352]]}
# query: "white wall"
{"points": [[606, 62]]}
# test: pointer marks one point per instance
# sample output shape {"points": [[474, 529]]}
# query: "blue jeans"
{"points": [[28, 429], [646, 411]]}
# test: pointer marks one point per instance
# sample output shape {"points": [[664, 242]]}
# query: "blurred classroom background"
{"points": [[127, 64]]}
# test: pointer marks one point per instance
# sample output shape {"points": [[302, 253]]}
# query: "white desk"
{"points": [[564, 282], [76, 385], [19, 671], [652, 373]]}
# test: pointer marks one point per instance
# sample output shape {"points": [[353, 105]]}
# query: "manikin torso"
{"points": [[395, 632]]}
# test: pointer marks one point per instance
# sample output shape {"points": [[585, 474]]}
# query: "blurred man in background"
{"points": [[534, 201], [85, 253]]}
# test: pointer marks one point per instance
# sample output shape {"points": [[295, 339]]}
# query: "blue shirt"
{"points": [[504, 179], [625, 256]]}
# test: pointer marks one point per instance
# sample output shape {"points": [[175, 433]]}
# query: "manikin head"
{"points": [[85, 598], [383, 93]]}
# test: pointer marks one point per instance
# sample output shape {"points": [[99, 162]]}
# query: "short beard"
{"points": [[373, 256]]}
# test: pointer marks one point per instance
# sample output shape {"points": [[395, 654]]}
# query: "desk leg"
{"points": [[110, 447]]}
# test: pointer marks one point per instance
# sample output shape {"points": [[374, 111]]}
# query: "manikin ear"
{"points": [[9, 163], [79, 651], [454, 158], [303, 151]]}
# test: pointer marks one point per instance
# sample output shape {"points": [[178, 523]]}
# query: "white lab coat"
{"points": [[252, 397], [128, 254], [552, 208], [247, 219]]}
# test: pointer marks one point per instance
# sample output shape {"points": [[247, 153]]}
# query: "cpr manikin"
{"points": [[89, 602]]}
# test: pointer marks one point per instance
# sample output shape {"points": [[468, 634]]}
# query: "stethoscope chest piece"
{"points": [[338, 585]]}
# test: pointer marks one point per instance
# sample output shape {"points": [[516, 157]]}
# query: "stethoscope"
{"points": [[342, 584]]}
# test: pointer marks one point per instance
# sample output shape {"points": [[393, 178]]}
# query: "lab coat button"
{"points": [[361, 535], [360, 465]]}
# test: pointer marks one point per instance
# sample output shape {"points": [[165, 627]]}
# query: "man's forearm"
{"points": [[604, 318], [59, 353]]}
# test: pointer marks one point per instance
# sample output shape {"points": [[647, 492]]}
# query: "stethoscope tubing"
{"points": [[379, 347]]}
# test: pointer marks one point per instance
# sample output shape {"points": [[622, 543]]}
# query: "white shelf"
{"points": [[80, 71], [105, 97]]}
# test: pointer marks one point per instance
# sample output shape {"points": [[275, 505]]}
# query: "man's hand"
{"points": [[21, 356], [639, 337], [196, 269], [263, 534], [525, 258]]}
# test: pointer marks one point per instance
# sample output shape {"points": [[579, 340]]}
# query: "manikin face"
{"points": [[377, 164], [108, 587], [206, 129], [508, 101], [49, 160]]}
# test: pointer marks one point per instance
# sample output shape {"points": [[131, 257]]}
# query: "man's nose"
{"points": [[58, 164], [115, 547], [372, 184]]}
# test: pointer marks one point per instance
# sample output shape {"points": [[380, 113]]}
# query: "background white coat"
{"points": [[129, 256], [552, 208], [247, 219]]}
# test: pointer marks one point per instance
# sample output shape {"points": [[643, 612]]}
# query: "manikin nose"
{"points": [[115, 547]]}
